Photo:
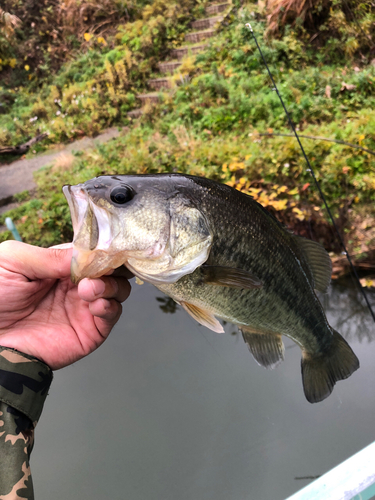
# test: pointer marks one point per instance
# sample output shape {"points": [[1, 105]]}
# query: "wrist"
{"points": [[24, 382]]}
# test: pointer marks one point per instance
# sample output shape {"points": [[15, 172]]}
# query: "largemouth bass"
{"points": [[219, 254]]}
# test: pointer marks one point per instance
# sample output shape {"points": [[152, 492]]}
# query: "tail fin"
{"points": [[321, 372]]}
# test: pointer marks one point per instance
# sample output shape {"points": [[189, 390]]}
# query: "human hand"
{"points": [[42, 313]]}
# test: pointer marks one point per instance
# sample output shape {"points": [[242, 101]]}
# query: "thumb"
{"points": [[36, 262]]}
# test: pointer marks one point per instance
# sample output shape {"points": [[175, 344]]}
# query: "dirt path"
{"points": [[18, 176]]}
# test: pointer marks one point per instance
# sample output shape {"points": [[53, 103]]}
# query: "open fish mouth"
{"points": [[92, 237]]}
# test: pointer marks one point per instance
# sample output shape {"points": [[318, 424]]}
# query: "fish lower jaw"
{"points": [[93, 264]]}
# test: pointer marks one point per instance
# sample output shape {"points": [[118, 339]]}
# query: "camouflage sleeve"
{"points": [[24, 384]]}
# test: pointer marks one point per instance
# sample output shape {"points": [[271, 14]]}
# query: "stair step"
{"points": [[184, 51], [160, 83], [135, 113], [168, 67], [197, 36], [147, 98], [216, 8], [209, 22]]}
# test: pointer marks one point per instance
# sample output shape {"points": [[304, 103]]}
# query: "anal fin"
{"points": [[267, 348], [203, 317]]}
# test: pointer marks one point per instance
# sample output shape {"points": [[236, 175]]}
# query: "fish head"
{"points": [[143, 222]]}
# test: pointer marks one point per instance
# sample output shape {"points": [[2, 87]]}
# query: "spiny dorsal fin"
{"points": [[267, 348], [230, 276], [321, 372], [203, 317], [319, 262]]}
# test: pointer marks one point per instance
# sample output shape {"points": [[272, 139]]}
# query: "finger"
{"points": [[106, 314], [106, 287], [106, 309], [35, 262], [63, 245]]}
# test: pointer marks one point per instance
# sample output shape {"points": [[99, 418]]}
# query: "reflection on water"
{"points": [[347, 309], [167, 410], [167, 304]]}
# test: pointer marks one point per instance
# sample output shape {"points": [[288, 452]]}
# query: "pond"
{"points": [[169, 410]]}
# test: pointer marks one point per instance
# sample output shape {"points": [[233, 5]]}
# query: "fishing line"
{"points": [[310, 169]]}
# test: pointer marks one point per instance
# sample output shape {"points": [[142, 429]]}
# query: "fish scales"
{"points": [[219, 254], [243, 239]]}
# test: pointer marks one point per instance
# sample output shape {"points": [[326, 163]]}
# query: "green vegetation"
{"points": [[97, 87], [210, 125]]}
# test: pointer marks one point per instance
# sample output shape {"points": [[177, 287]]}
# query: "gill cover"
{"points": [[187, 248]]}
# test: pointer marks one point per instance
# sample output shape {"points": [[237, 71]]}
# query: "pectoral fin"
{"points": [[230, 276], [203, 317], [267, 348]]}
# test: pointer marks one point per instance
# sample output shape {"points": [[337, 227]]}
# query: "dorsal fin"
{"points": [[318, 261]]}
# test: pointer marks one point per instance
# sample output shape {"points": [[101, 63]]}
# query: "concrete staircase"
{"points": [[202, 29]]}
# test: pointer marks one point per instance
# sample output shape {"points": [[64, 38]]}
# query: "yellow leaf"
{"points": [[27, 67], [12, 63], [361, 137], [236, 166], [293, 191], [247, 157], [280, 204], [297, 211], [101, 40], [282, 189], [87, 37]]}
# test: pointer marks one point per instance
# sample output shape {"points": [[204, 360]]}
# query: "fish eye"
{"points": [[121, 194]]}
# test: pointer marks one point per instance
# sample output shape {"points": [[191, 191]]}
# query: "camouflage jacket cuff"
{"points": [[24, 382]]}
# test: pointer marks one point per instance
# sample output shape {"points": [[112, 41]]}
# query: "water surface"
{"points": [[168, 410]]}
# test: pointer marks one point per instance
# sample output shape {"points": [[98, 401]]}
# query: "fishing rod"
{"points": [[311, 170]]}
